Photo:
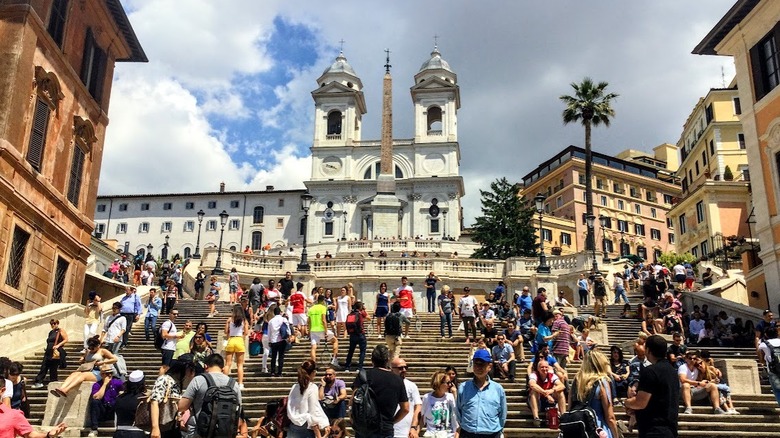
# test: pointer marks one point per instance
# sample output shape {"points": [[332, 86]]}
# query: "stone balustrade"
{"points": [[716, 304]]}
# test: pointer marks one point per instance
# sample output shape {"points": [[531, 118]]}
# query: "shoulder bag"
{"points": [[168, 407]]}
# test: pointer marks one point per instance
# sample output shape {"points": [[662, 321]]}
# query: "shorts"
{"points": [[167, 357], [235, 345], [299, 319], [233, 288], [698, 393], [381, 312], [408, 312], [680, 278], [316, 337], [96, 373]]}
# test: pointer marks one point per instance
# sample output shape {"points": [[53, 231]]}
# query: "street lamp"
{"points": [[197, 245], [149, 249], [543, 268], [165, 247], [589, 219], [603, 223], [444, 230], [344, 231], [223, 218], [306, 200]]}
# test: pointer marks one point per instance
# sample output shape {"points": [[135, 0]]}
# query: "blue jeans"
{"points": [[358, 340], [150, 322], [774, 380], [445, 318], [620, 292], [431, 296]]}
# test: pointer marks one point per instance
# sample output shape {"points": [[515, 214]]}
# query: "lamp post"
{"points": [[543, 268], [197, 244], [444, 230], [589, 219], [223, 218], [344, 232], [306, 200], [149, 249], [603, 223], [165, 247]]}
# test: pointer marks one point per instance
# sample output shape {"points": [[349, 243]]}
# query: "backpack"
{"points": [[365, 409], [599, 289], [218, 417], [580, 421], [774, 364], [279, 417], [354, 323], [393, 324], [158, 337], [120, 367]]}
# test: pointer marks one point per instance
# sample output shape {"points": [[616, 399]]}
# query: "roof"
{"points": [[340, 65], [733, 17], [435, 62], [123, 23], [165, 195]]}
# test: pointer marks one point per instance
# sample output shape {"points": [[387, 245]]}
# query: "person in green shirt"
{"points": [[318, 330], [185, 337]]}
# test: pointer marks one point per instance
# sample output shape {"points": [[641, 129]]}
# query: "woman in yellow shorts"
{"points": [[237, 330]]}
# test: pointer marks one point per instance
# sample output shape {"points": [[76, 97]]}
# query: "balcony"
{"points": [[434, 132], [333, 137]]}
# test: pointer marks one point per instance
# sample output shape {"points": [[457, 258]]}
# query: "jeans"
{"points": [[294, 431], [358, 340], [445, 318], [277, 352], [48, 365], [113, 347], [99, 411], [130, 318], [150, 322], [468, 323], [430, 295], [620, 292], [774, 380], [583, 297]]}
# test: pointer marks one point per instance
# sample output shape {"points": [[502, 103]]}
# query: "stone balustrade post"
{"points": [[72, 410]]}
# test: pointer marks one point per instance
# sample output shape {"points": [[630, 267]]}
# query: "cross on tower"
{"points": [[341, 44], [435, 41], [387, 65]]}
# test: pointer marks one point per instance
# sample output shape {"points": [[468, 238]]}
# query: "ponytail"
{"points": [[304, 374]]}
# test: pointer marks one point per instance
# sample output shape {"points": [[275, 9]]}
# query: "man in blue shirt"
{"points": [[498, 294], [153, 306], [131, 309], [503, 358], [524, 301], [481, 402]]}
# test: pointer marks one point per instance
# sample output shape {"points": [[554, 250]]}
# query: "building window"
{"points": [[712, 147], [604, 201], [121, 228], [435, 226], [101, 208], [60, 275], [212, 204], [608, 222], [40, 125], [167, 205], [189, 226], [685, 184], [599, 184], [558, 202], [765, 64], [639, 229], [143, 227], [281, 202], [166, 227], [695, 251], [700, 212], [329, 228], [145, 206], [708, 114], [547, 235], [705, 248], [13, 275], [122, 207], [667, 199], [234, 224], [653, 213], [682, 224], [617, 188], [634, 192], [187, 252], [671, 238], [638, 208], [211, 225], [655, 234], [189, 206], [566, 239], [257, 240], [669, 223], [582, 179], [334, 123], [621, 205], [741, 140], [696, 164], [622, 225], [650, 196], [737, 106], [704, 157], [234, 204], [608, 246], [257, 215], [280, 222], [100, 229], [57, 16], [93, 66]]}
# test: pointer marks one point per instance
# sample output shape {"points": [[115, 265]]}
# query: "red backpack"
{"points": [[354, 323]]}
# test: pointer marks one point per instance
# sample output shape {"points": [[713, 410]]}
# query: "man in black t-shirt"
{"points": [[389, 390], [286, 285], [657, 398], [489, 334]]}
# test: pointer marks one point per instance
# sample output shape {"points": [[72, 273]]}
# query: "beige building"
{"points": [[715, 200], [55, 82], [633, 194]]}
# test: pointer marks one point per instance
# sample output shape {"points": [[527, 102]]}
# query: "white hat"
{"points": [[136, 376]]}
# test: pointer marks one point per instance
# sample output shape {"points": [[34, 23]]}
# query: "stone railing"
{"points": [[716, 304], [524, 266]]}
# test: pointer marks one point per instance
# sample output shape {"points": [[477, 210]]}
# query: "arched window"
{"points": [[187, 252], [257, 216], [334, 123], [373, 171], [257, 240], [233, 247], [434, 120]]}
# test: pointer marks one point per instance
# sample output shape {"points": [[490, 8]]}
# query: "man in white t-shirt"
{"points": [[774, 378], [693, 389], [115, 327], [467, 308], [679, 274], [409, 426], [169, 335]]}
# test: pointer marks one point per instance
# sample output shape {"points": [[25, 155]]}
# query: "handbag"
{"points": [[86, 367], [169, 409], [25, 406], [55, 352]]}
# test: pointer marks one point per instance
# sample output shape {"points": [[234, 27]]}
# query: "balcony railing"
{"points": [[333, 137], [434, 132]]}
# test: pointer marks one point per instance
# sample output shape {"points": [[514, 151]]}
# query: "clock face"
{"points": [[331, 165]]}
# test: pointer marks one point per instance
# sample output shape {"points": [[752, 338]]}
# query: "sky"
{"points": [[225, 96]]}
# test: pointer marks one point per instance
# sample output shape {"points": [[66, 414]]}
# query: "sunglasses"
{"points": [[199, 337], [403, 367], [328, 374]]}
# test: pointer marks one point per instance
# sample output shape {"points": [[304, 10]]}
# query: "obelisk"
{"points": [[386, 206]]}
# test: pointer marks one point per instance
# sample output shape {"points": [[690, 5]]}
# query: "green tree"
{"points": [[670, 258], [728, 175], [590, 105], [506, 227]]}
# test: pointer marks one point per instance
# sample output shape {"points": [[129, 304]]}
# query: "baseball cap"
{"points": [[482, 355]]}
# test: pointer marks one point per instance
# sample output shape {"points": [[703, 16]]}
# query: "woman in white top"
{"points": [[92, 312], [343, 307], [438, 408], [237, 330], [307, 419]]}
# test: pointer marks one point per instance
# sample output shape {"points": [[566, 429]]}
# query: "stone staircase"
{"points": [[426, 352]]}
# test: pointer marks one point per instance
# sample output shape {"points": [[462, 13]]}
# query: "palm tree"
{"points": [[591, 106]]}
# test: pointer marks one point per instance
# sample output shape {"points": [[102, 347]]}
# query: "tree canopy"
{"points": [[506, 227]]}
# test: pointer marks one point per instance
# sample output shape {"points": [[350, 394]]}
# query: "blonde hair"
{"points": [[437, 379], [595, 368], [445, 288]]}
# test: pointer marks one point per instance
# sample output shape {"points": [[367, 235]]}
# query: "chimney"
{"points": [[269, 188], [222, 187]]}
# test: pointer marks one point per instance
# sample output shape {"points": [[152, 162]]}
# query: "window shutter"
{"points": [[38, 134], [76, 172]]}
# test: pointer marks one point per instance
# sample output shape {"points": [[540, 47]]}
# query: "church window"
{"points": [[434, 121], [373, 171], [334, 124], [257, 216], [329, 228], [257, 240], [398, 173], [434, 226]]}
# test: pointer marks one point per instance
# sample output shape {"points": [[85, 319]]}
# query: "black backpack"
{"points": [[219, 413], [599, 289], [365, 409], [354, 323], [158, 337], [774, 364], [393, 324], [580, 421]]}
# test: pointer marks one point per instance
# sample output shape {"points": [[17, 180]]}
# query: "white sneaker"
{"points": [[688, 411], [718, 411], [92, 434], [733, 412], [334, 362], [210, 315], [241, 386], [408, 337]]}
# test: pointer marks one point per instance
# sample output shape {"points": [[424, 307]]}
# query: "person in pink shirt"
{"points": [[562, 342], [14, 424], [405, 295]]}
